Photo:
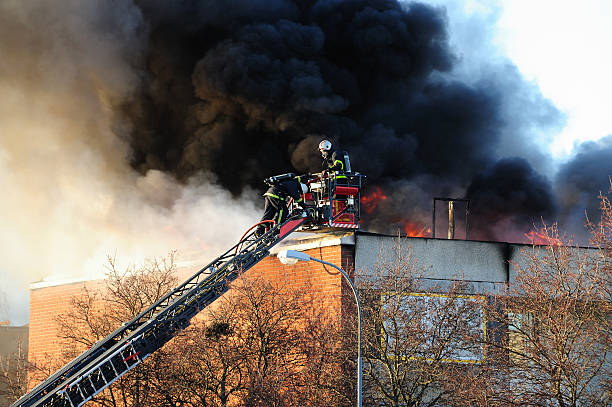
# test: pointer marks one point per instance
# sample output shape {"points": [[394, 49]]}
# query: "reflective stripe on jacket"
{"points": [[285, 189]]}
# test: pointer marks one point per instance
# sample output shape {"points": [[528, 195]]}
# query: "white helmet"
{"points": [[304, 188], [325, 145]]}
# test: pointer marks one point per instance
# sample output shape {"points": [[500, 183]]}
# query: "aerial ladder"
{"points": [[328, 205]]}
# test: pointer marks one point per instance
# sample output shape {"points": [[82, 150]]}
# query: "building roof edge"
{"points": [[316, 241]]}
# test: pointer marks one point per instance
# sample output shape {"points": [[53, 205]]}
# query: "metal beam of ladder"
{"points": [[100, 376]]}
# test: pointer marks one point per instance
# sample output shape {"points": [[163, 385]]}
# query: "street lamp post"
{"points": [[291, 257]]}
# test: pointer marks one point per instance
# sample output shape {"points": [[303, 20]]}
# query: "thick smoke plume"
{"points": [[70, 197], [586, 174], [247, 91], [143, 126]]}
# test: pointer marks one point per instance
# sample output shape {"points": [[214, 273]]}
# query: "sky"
{"points": [[564, 46], [561, 47]]}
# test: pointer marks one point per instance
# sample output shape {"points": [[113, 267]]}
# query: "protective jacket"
{"points": [[335, 162], [276, 197], [285, 189]]}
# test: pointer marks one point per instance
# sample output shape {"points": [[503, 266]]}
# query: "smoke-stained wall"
{"points": [[482, 267]]}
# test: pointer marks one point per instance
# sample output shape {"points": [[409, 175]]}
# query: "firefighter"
{"points": [[334, 162], [276, 197]]}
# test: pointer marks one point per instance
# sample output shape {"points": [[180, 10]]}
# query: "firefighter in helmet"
{"points": [[335, 162], [276, 197]]}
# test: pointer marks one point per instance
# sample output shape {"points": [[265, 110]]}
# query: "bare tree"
{"points": [[210, 363], [326, 379], [555, 325], [261, 344], [268, 329], [601, 233], [416, 338], [96, 312], [601, 238], [13, 375]]}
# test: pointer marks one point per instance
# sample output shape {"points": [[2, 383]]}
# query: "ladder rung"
{"points": [[73, 395], [78, 386], [109, 371], [93, 386], [87, 388], [119, 364], [102, 375], [110, 362], [66, 396]]}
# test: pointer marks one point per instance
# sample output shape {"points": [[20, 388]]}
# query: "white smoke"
{"points": [[69, 195]]}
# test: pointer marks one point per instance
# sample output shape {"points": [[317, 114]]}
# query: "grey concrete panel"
{"points": [[441, 259], [486, 267], [466, 287], [519, 259]]}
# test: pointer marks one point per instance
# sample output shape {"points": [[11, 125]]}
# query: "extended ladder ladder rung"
{"points": [[100, 375], [66, 396], [110, 362], [78, 386], [93, 386]]}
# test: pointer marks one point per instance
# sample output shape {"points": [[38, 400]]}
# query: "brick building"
{"points": [[50, 299], [483, 267]]}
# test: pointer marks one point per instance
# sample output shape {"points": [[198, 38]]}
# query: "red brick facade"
{"points": [[46, 304], [325, 284]]}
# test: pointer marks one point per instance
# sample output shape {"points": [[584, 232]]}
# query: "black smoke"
{"points": [[582, 178], [509, 194], [246, 89]]}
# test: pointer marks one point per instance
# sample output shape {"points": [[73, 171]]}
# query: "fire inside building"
{"points": [[326, 225], [125, 110]]}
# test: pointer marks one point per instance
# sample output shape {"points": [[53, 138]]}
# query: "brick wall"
{"points": [[324, 283], [46, 303]]}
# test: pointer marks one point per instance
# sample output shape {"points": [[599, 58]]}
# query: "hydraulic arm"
{"points": [[95, 369]]}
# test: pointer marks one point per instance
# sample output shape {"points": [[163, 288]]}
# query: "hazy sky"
{"points": [[562, 46], [61, 219]]}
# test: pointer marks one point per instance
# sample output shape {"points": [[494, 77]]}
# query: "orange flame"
{"points": [[539, 238], [371, 201], [414, 230]]}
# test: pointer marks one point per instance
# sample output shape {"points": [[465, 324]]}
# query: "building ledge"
{"points": [[301, 241], [46, 284]]}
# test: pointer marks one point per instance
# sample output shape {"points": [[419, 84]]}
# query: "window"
{"points": [[450, 328], [520, 331]]}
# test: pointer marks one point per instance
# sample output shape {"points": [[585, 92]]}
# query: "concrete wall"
{"points": [[13, 340], [483, 264], [578, 254], [487, 267]]}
